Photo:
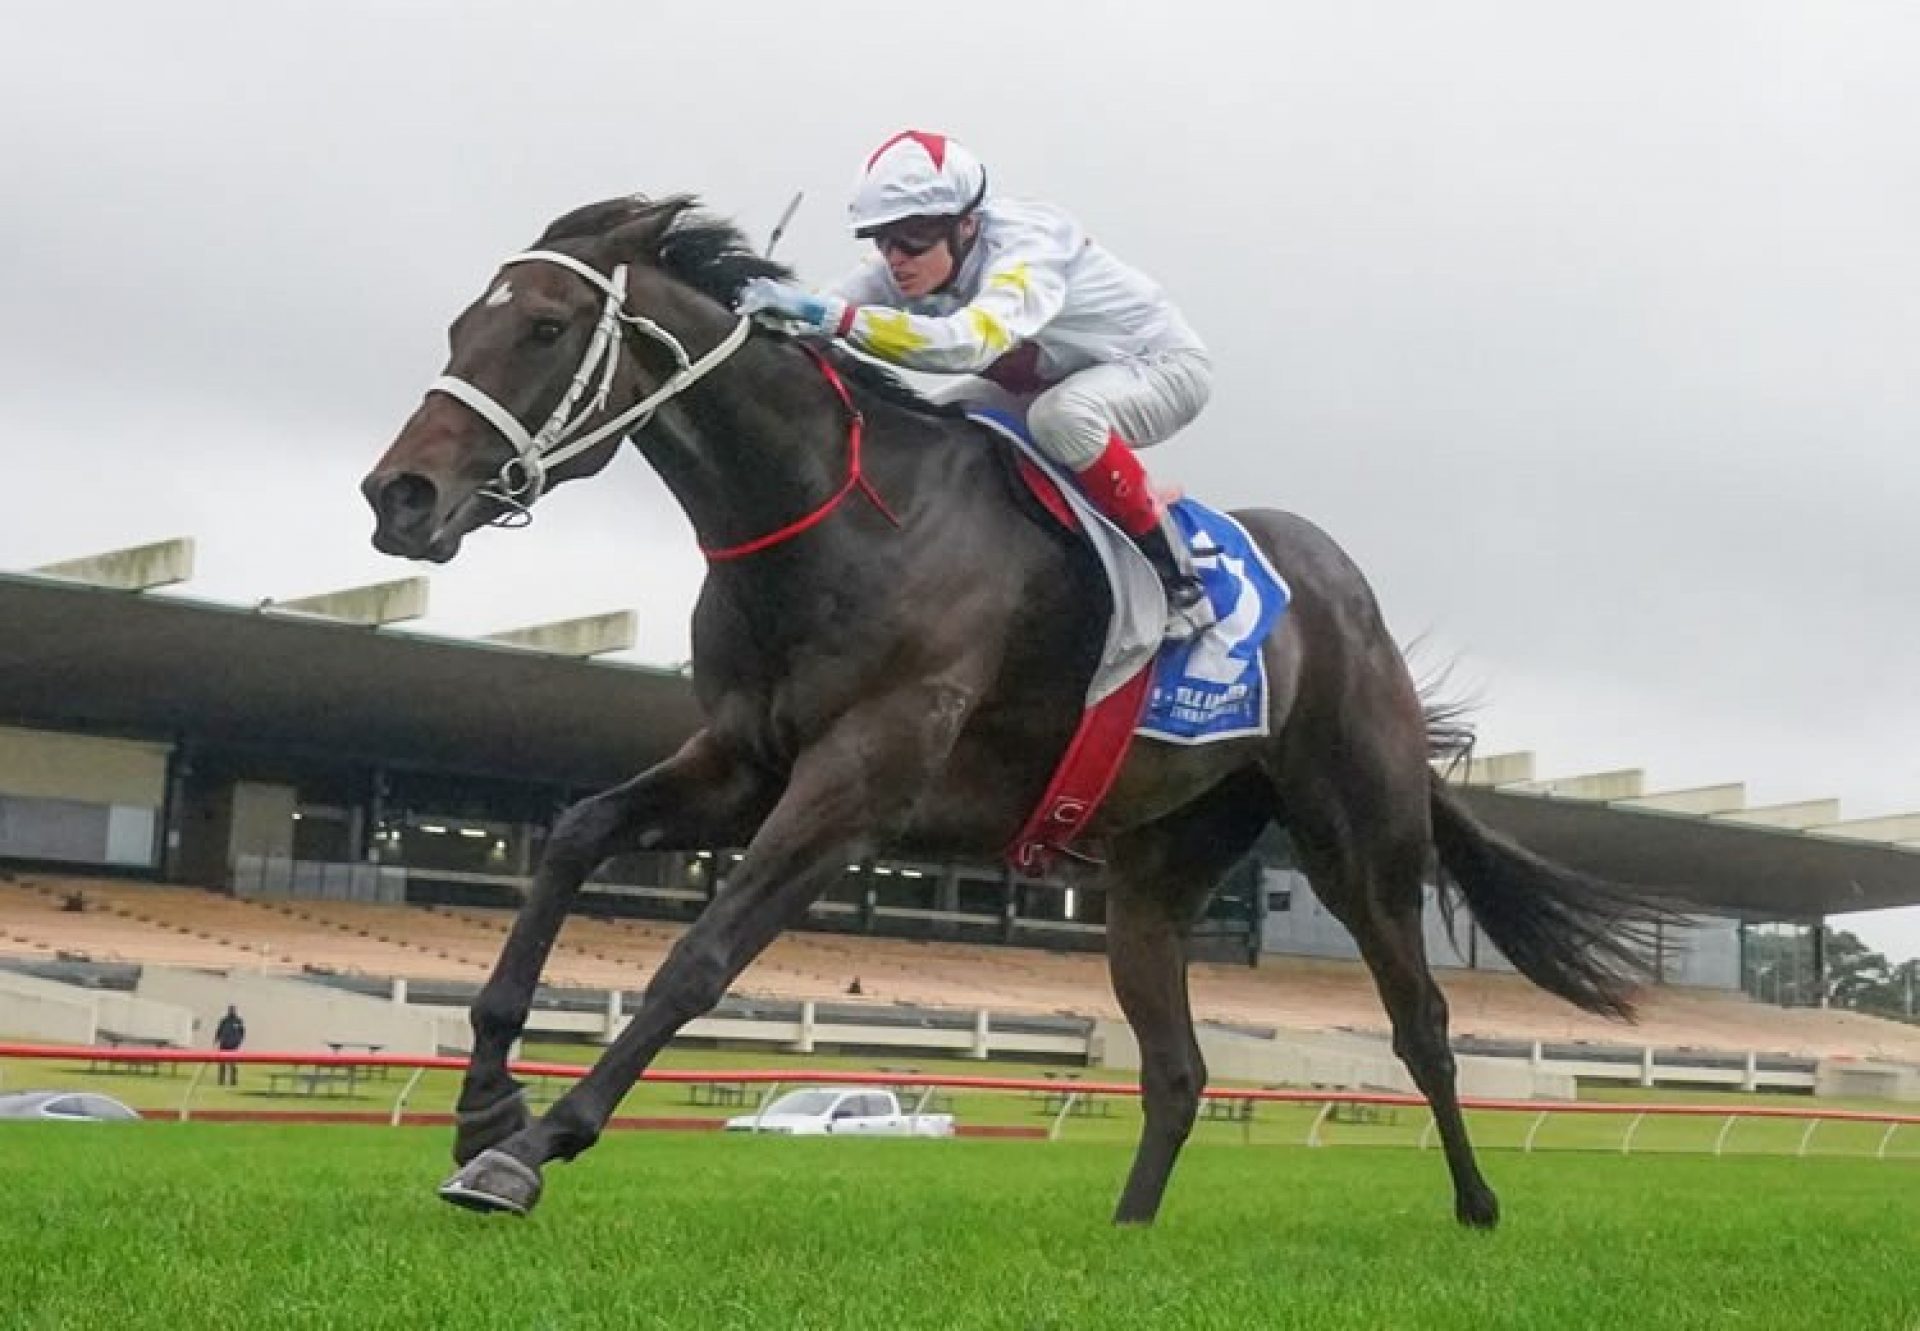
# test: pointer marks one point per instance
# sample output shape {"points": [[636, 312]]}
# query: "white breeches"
{"points": [[1144, 401]]}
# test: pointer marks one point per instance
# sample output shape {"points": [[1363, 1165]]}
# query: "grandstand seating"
{"points": [[140, 923]]}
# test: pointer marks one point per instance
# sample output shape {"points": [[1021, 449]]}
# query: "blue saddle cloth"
{"points": [[1213, 685]]}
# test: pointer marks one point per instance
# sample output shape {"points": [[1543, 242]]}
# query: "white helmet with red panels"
{"points": [[916, 174]]}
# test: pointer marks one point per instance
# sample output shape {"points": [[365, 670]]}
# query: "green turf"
{"points": [[210, 1227]]}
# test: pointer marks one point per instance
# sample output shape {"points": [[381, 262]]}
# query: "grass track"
{"points": [[211, 1227]]}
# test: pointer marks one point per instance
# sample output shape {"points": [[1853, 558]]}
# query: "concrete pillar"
{"points": [[982, 1029], [399, 991], [375, 849], [179, 768], [1646, 1065], [1750, 1081], [616, 1013], [804, 1045], [1537, 1057]]}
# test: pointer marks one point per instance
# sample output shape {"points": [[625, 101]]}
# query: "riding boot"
{"points": [[1186, 594], [1117, 484]]}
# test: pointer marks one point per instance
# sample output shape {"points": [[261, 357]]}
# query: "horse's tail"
{"points": [[1574, 935]]}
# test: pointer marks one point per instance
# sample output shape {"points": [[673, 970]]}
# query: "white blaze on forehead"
{"points": [[500, 295]]}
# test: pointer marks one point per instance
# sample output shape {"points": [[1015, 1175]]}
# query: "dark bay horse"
{"points": [[891, 650]]}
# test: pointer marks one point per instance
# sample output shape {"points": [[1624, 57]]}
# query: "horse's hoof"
{"points": [[478, 1130], [494, 1181], [1478, 1211]]}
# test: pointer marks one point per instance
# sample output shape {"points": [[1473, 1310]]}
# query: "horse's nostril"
{"points": [[406, 499]]}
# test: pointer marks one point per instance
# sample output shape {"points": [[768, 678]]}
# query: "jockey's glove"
{"points": [[795, 304]]}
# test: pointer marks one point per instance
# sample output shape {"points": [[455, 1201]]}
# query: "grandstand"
{"points": [[300, 789], [140, 924]]}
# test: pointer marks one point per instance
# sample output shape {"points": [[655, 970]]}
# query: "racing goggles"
{"points": [[913, 238]]}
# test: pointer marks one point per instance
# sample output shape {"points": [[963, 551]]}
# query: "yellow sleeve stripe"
{"points": [[993, 334]]}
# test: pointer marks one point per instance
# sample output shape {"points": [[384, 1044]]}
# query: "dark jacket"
{"points": [[230, 1032]]}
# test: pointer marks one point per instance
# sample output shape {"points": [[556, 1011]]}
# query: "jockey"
{"points": [[963, 282]]}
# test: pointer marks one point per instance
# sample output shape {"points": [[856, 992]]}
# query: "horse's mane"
{"points": [[713, 256]]}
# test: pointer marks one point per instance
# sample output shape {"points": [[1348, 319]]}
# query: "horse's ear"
{"points": [[639, 239]]}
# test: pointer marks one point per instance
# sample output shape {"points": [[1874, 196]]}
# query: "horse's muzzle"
{"points": [[404, 505]]}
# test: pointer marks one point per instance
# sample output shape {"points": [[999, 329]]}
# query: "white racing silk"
{"points": [[1032, 276]]}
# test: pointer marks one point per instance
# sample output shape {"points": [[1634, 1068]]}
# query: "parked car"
{"points": [[841, 1111], [65, 1107]]}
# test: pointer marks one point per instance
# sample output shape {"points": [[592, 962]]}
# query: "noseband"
{"points": [[524, 476]]}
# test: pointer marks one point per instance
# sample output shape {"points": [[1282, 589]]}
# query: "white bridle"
{"points": [[524, 476]]}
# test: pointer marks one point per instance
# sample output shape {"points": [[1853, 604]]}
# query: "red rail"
{"points": [[417, 1062]]}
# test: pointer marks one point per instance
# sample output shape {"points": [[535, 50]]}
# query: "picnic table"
{"points": [[314, 1079], [717, 1094], [1343, 1111], [909, 1094], [138, 1067], [1227, 1111], [1066, 1095], [359, 1046]]}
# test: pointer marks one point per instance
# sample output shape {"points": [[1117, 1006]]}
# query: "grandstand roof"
{"points": [[86, 658], [83, 657], [1761, 873]]}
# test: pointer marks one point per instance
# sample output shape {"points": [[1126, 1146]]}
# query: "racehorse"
{"points": [[891, 649]]}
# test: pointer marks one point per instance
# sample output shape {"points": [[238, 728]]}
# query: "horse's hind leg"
{"points": [[1364, 842], [1158, 878]]}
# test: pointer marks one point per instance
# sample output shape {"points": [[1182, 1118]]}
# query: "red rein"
{"points": [[856, 480]]}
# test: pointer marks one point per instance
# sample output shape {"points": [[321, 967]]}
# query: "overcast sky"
{"points": [[1592, 335]]}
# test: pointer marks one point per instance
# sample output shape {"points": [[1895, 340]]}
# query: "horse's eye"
{"points": [[548, 330]]}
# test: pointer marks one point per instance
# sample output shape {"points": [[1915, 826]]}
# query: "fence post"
{"points": [[615, 1010], [1807, 1136], [186, 1096], [1313, 1131], [1060, 1119], [1646, 1065], [1726, 1130], [804, 1045], [1750, 1080], [766, 1098], [399, 991], [982, 1029], [1881, 1154], [400, 1101]]}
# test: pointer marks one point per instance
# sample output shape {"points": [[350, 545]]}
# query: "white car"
{"points": [[65, 1107], [849, 1111]]}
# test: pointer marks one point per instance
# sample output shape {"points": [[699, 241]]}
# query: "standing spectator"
{"points": [[228, 1036]]}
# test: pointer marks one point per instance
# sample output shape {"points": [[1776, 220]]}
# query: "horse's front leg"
{"points": [[846, 792], [698, 798]]}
